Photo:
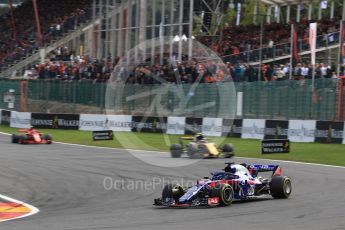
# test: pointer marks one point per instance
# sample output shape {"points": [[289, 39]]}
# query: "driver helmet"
{"points": [[241, 170], [232, 169], [199, 137]]}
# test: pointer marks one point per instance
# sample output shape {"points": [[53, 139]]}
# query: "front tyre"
{"points": [[225, 193], [280, 187], [172, 191], [48, 138], [176, 150], [228, 150], [15, 138]]}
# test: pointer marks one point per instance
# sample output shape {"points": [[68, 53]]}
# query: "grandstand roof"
{"points": [[285, 2]]}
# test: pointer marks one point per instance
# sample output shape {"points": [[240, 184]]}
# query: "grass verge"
{"points": [[332, 154]]}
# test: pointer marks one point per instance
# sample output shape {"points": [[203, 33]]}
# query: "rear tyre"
{"points": [[176, 150], [15, 138], [228, 150], [280, 187], [225, 193], [22, 139], [172, 191]]}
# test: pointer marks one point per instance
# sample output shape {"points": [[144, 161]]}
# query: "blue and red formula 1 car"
{"points": [[31, 136], [236, 181]]}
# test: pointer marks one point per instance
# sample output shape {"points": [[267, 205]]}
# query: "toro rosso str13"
{"points": [[31, 136], [236, 181]]}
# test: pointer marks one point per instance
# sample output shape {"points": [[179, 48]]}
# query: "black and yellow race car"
{"points": [[200, 147]]}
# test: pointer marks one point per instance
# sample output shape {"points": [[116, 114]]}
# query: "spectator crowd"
{"points": [[188, 71], [238, 46], [56, 18], [242, 43]]}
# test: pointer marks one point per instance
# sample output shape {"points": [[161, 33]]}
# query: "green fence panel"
{"points": [[264, 100]]}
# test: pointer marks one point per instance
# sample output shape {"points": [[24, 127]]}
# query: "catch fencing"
{"points": [[261, 100]]}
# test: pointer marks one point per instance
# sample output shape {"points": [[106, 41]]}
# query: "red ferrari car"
{"points": [[31, 136]]}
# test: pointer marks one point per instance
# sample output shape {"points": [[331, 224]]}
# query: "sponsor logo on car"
{"points": [[213, 201]]}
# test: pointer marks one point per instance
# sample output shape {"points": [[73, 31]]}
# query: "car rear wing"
{"points": [[187, 138], [27, 130], [23, 130], [255, 169], [181, 139]]}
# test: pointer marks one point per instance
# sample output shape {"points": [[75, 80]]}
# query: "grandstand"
{"points": [[99, 39], [83, 41], [96, 33]]}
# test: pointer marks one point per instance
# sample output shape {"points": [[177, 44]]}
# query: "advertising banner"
{"points": [[253, 129], [176, 125], [276, 129], [55, 121], [302, 130], [193, 125], [95, 122], [5, 117], [275, 146], [212, 126], [102, 135], [149, 124], [20, 120], [329, 132]]}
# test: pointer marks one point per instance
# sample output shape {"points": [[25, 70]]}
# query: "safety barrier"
{"points": [[295, 130]]}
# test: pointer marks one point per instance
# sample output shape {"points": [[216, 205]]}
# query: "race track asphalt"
{"points": [[67, 184]]}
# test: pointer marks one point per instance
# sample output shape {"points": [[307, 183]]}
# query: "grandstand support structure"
{"points": [[297, 5], [10, 4], [283, 57], [38, 23], [135, 21], [209, 10]]}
